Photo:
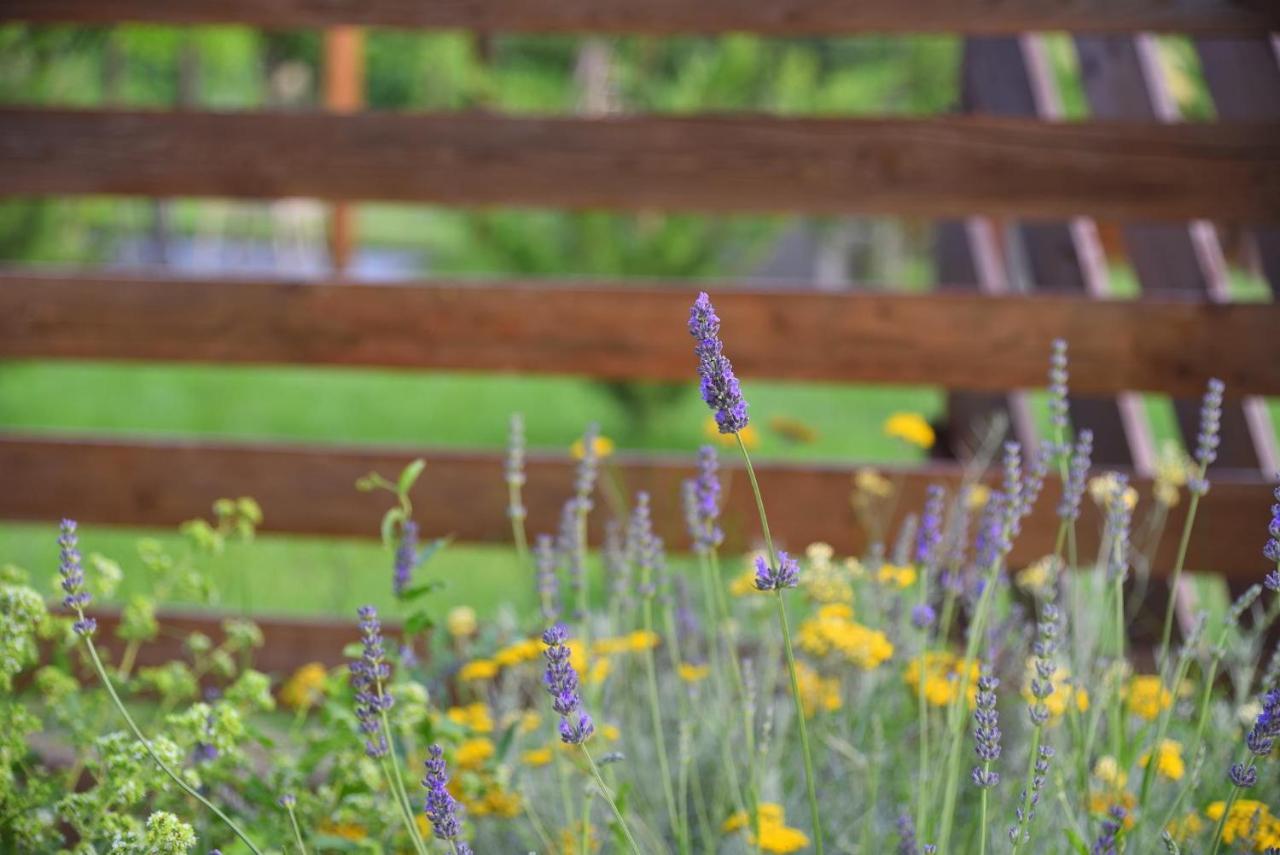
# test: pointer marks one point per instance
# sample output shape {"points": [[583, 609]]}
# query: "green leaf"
{"points": [[410, 475], [390, 520], [419, 591], [365, 484], [418, 622], [425, 553]]}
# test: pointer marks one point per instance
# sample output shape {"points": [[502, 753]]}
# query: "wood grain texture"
{"points": [[937, 167], [623, 331], [786, 17], [309, 490]]}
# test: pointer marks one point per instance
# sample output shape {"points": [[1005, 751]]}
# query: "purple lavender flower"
{"points": [[287, 800], [368, 674], [986, 732], [1106, 844], [1077, 477], [569, 547], [1119, 520], [640, 545], [1260, 740], [929, 539], [702, 502], [584, 483], [1207, 441], [73, 578], [720, 387], [1058, 410], [514, 470], [1042, 683], [923, 616], [561, 682], [907, 835], [1041, 771], [1272, 550], [441, 808], [785, 575], [544, 556], [616, 565], [1035, 479], [406, 557]]}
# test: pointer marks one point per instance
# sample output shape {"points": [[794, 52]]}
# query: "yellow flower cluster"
{"points": [[911, 428], [1172, 469], [1244, 812], [1169, 762], [691, 673], [775, 835], [750, 438], [536, 757], [1107, 488], [943, 671], [825, 581], [1187, 827], [817, 692], [529, 650], [461, 622], [1146, 697], [871, 484], [473, 753], [305, 689], [526, 650], [475, 717], [1108, 771], [1101, 803], [899, 576], [1063, 693], [478, 669], [834, 631], [1037, 578]]}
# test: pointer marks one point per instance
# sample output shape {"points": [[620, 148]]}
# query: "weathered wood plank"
{"points": [[621, 331], [937, 167], [788, 17], [310, 490]]}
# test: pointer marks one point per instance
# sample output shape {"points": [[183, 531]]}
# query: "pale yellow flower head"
{"points": [[871, 483], [1109, 487], [911, 428], [602, 445], [461, 621]]}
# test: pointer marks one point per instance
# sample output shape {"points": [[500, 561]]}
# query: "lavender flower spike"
{"points": [[702, 500], [720, 387], [561, 682], [544, 554], [1208, 440], [785, 575], [368, 674], [1260, 740], [1077, 477], [1272, 550], [441, 808], [986, 732], [1058, 410], [73, 578], [406, 557]]}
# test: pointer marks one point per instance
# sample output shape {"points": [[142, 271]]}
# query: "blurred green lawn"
{"points": [[284, 574]]}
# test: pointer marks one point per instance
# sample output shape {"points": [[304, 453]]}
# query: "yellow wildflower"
{"points": [[305, 689], [478, 669], [855, 568], [461, 621], [691, 673], [1103, 802], [521, 651], [473, 716], [817, 692], [610, 732], [1189, 826], [603, 447], [749, 436], [977, 497], [1168, 760], [911, 428], [352, 831], [1108, 771], [571, 840], [642, 640], [819, 552], [1172, 469], [769, 812], [793, 429], [1038, 577], [823, 580], [872, 484], [775, 835], [472, 753], [833, 630], [529, 721], [943, 671], [903, 576], [1108, 487], [1239, 824], [495, 801], [1146, 697], [536, 757], [744, 584], [598, 672]]}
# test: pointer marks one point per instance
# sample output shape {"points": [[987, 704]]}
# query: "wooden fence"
{"points": [[1013, 188]]}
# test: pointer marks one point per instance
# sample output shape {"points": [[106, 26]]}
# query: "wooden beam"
{"points": [[343, 94], [787, 17], [939, 167], [310, 490], [625, 331]]}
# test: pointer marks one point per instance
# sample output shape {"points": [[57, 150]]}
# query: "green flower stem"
{"points": [[1023, 820], [164, 767], [608, 797], [921, 795], [398, 790], [983, 831], [1226, 813], [810, 782], [405, 816], [655, 716], [1183, 542], [518, 534], [297, 832]]}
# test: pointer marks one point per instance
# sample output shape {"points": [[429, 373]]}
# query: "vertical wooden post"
{"points": [[343, 93]]}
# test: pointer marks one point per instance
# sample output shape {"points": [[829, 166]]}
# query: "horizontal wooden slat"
{"points": [[784, 17], [620, 331], [939, 167], [310, 490]]}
